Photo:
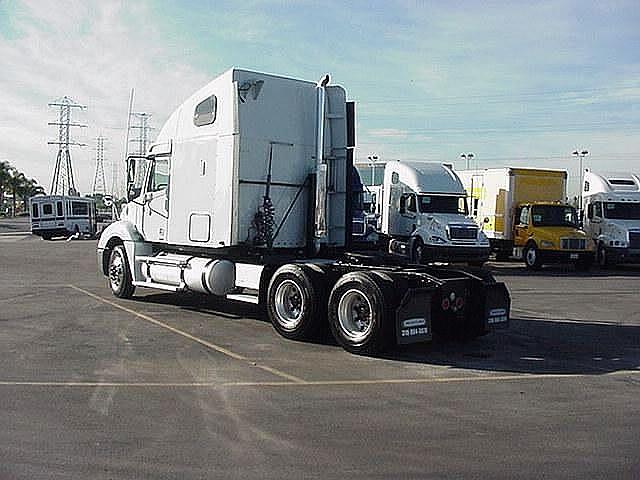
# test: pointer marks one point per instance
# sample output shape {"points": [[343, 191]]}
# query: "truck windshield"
{"points": [[442, 204], [622, 211], [554, 216]]}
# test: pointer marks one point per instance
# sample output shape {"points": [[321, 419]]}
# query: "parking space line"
{"points": [[548, 316], [390, 381], [193, 338]]}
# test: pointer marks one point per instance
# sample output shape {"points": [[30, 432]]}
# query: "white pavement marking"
{"points": [[201, 341], [547, 316], [389, 381], [7, 234]]}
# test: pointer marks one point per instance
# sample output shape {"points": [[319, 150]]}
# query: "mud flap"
{"points": [[413, 317], [497, 306]]}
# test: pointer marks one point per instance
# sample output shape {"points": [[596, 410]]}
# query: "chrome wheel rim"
{"points": [[116, 271], [289, 304], [531, 256], [355, 315]]}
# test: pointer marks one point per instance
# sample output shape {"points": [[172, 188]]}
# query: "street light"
{"points": [[580, 154], [468, 157]]}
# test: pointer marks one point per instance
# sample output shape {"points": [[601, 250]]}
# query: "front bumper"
{"points": [[621, 255], [566, 256], [434, 253]]}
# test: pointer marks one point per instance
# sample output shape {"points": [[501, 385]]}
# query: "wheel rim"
{"points": [[355, 315], [289, 304], [531, 256], [116, 271]]}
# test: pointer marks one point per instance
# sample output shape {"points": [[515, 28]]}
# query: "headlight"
{"points": [[546, 244]]}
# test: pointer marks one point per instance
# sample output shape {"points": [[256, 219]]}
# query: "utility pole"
{"points": [[63, 182], [99, 182]]}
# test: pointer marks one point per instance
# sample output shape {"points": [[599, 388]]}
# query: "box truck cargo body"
{"points": [[524, 213], [247, 194]]}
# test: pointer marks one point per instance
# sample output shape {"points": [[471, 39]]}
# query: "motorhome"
{"points": [[245, 194], [524, 213], [57, 215], [423, 214], [611, 203]]}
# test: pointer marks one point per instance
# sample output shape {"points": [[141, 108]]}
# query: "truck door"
{"points": [[521, 227], [155, 212], [408, 214]]}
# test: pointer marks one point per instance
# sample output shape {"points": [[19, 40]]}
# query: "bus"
{"points": [[61, 216]]}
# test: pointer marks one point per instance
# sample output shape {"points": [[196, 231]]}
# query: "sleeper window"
{"points": [[205, 113]]}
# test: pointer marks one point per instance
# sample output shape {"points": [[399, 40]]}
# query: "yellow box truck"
{"points": [[523, 213]]}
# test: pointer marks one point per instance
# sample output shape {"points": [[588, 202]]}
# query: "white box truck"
{"points": [[423, 214], [524, 214], [612, 220], [246, 194]]}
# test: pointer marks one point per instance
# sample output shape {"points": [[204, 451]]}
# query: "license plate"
{"points": [[573, 256]]}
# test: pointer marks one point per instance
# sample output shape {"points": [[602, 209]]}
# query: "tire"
{"points": [[532, 257], [46, 236], [417, 250], [604, 259], [584, 265], [294, 303], [119, 274], [357, 314]]}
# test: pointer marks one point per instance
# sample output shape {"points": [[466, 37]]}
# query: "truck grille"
{"points": [[573, 243], [463, 233], [634, 239]]}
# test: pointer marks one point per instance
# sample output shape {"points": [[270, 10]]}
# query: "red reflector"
{"points": [[459, 303], [445, 304]]}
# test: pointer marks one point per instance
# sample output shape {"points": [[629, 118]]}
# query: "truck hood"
{"points": [[624, 224], [448, 219]]}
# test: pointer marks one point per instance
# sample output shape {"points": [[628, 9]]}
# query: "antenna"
{"points": [[63, 182]]}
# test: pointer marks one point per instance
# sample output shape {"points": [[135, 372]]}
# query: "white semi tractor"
{"points": [[611, 204], [424, 215], [246, 194]]}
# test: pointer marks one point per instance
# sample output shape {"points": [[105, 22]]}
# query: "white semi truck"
{"points": [[423, 213], [246, 194], [612, 206]]}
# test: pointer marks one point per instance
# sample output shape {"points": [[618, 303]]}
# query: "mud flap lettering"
{"points": [[497, 305]]}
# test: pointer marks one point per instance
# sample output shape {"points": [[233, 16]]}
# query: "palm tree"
{"points": [[16, 182], [5, 168], [29, 189]]}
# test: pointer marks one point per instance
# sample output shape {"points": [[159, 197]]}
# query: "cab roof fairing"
{"points": [[427, 177]]}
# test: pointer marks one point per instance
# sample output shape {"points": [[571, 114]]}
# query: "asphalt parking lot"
{"points": [[166, 386]]}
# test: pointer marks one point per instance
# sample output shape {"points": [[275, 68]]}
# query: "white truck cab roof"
{"points": [[426, 177], [612, 186]]}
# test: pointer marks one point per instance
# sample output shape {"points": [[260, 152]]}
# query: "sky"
{"points": [[515, 83]]}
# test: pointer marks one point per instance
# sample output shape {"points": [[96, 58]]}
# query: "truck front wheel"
{"points": [[119, 274], [294, 303], [357, 314], [532, 257]]}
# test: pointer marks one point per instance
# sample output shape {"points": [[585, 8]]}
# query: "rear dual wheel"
{"points": [[357, 313]]}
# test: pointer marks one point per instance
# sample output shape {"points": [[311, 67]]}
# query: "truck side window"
{"points": [[524, 216], [403, 204], [205, 112], [160, 175], [597, 209], [411, 203], [590, 211]]}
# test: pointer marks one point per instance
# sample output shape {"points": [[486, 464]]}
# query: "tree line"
{"points": [[18, 185]]}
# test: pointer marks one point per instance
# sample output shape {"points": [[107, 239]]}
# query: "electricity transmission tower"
{"points": [[99, 182], [143, 127], [63, 182]]}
